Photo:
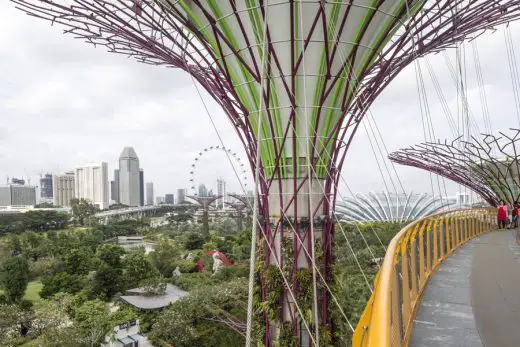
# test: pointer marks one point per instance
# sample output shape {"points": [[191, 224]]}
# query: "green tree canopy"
{"points": [[137, 268], [14, 276], [82, 209], [164, 257]]}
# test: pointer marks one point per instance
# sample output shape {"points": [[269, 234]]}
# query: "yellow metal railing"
{"points": [[411, 258]]}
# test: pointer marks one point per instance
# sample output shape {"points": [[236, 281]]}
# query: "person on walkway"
{"points": [[509, 206], [515, 214], [501, 215]]}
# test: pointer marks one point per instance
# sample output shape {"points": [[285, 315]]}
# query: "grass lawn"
{"points": [[31, 293]]}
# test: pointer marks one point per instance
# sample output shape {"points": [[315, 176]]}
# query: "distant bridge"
{"points": [[126, 213]]}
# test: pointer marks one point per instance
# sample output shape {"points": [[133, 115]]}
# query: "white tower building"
{"points": [[129, 178], [92, 184]]}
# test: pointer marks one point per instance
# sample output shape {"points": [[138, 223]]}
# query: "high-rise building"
{"points": [[92, 184], [203, 191], [114, 187], [159, 200], [149, 193], [129, 178], [221, 190], [17, 195], [63, 187], [141, 187], [168, 199], [46, 191], [181, 196]]}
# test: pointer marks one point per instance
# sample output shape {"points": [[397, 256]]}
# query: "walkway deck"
{"points": [[473, 299]]}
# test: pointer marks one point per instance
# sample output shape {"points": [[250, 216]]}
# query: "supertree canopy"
{"points": [[488, 165], [389, 207], [295, 78]]}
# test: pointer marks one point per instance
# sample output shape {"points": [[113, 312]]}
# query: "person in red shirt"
{"points": [[501, 215]]}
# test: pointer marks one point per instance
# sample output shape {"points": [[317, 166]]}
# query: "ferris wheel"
{"points": [[238, 166]]}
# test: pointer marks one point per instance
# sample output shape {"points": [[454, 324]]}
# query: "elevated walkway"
{"points": [[473, 298], [449, 279]]}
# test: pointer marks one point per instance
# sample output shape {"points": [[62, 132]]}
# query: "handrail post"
{"points": [[405, 287], [442, 237], [435, 243]]}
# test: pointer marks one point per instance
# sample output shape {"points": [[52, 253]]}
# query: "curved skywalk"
{"points": [[473, 299]]}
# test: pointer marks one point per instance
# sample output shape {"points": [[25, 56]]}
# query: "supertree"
{"points": [[239, 208], [295, 78], [205, 203], [488, 165]]}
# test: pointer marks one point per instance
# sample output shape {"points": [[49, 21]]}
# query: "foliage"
{"points": [[129, 227], [153, 286], [106, 282], [79, 261], [193, 241], [164, 257], [14, 323], [14, 276], [37, 220], [61, 282], [110, 254], [137, 267], [349, 285], [82, 209], [194, 320], [187, 266], [181, 217]]}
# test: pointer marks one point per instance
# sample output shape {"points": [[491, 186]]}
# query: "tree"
{"points": [[184, 323], [193, 241], [14, 276], [92, 320], [107, 281], [14, 323], [79, 261], [137, 268], [164, 257], [181, 217], [61, 282], [82, 209], [110, 254]]}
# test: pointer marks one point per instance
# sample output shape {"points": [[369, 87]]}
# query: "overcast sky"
{"points": [[64, 103]]}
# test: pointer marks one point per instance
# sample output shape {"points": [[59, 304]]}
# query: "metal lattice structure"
{"points": [[205, 204], [389, 207], [295, 78], [488, 165]]}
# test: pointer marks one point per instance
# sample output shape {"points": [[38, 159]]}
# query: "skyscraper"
{"points": [[141, 187], [203, 191], [92, 184], [168, 199], [181, 196], [46, 192], [63, 187], [159, 200], [114, 187], [221, 190], [149, 193], [129, 178]]}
